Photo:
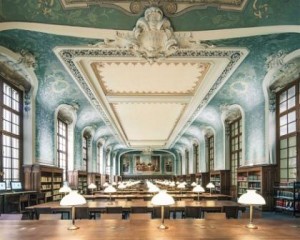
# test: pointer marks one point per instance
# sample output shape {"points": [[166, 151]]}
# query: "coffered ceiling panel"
{"points": [[145, 123], [145, 78]]}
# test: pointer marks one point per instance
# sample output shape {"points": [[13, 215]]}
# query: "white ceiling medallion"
{"points": [[150, 84]]}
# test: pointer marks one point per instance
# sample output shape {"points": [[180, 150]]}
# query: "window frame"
{"points": [[65, 170], [10, 134]]}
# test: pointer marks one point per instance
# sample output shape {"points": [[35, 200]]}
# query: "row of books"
{"points": [[288, 205], [289, 194]]}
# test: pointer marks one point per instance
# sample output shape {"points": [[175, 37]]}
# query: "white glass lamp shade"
{"points": [[251, 197], [181, 185], [92, 186], [210, 185], [106, 184], [114, 184], [194, 184], [72, 199], [153, 189], [110, 189], [65, 189], [121, 186], [198, 189], [162, 199], [172, 184]]}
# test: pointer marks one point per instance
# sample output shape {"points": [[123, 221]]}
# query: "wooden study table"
{"points": [[186, 229], [126, 206], [5, 195]]}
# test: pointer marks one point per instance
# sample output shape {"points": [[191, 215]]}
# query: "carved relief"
{"points": [[230, 112], [152, 38], [275, 60]]}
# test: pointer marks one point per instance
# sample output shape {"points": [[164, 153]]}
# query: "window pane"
{"points": [[282, 97], [283, 130], [283, 153], [292, 92], [283, 120], [292, 173], [283, 143], [291, 102], [292, 141], [292, 162], [283, 173], [283, 163], [292, 127], [292, 152]]}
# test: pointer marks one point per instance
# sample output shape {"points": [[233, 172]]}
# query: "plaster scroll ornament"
{"points": [[27, 59], [275, 60], [152, 38]]}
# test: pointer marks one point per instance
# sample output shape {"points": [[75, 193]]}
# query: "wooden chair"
{"points": [[192, 212], [22, 202], [49, 216], [82, 213], [157, 212], [117, 216], [39, 211], [140, 216], [214, 216], [231, 211], [12, 216], [139, 209]]}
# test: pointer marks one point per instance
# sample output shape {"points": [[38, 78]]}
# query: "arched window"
{"points": [[62, 146], [187, 161], [85, 153], [11, 140], [211, 152], [235, 146], [288, 110], [196, 156], [65, 123]]}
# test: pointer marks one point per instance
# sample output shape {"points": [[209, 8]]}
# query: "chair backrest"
{"points": [[49, 216], [215, 216], [140, 216], [192, 212], [231, 211], [10, 216], [111, 216], [139, 209], [157, 212], [114, 210]]}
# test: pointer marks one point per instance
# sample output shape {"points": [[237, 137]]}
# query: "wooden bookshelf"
{"points": [[259, 177], [47, 179], [202, 178], [287, 197], [78, 180], [221, 179]]}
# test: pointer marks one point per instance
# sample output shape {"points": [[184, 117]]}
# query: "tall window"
{"points": [[235, 128], [99, 157], [62, 147], [211, 152], [288, 107], [196, 156], [187, 161], [85, 153], [11, 132]]}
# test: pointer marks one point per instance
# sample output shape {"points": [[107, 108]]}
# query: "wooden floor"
{"points": [[232, 229]]}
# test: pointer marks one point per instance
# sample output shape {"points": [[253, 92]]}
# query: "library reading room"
{"points": [[149, 119]]}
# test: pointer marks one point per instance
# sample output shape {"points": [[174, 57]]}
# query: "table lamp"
{"points": [[251, 198], [194, 184], [210, 186], [110, 189], [65, 189], [106, 184], [92, 186], [153, 189], [198, 189], [181, 186], [162, 199], [73, 199]]}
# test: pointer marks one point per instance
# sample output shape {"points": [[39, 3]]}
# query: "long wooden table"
{"points": [[177, 196], [187, 229], [101, 206]]}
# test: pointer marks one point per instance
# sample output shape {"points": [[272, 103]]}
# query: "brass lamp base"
{"points": [[162, 226], [73, 227], [251, 226]]}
